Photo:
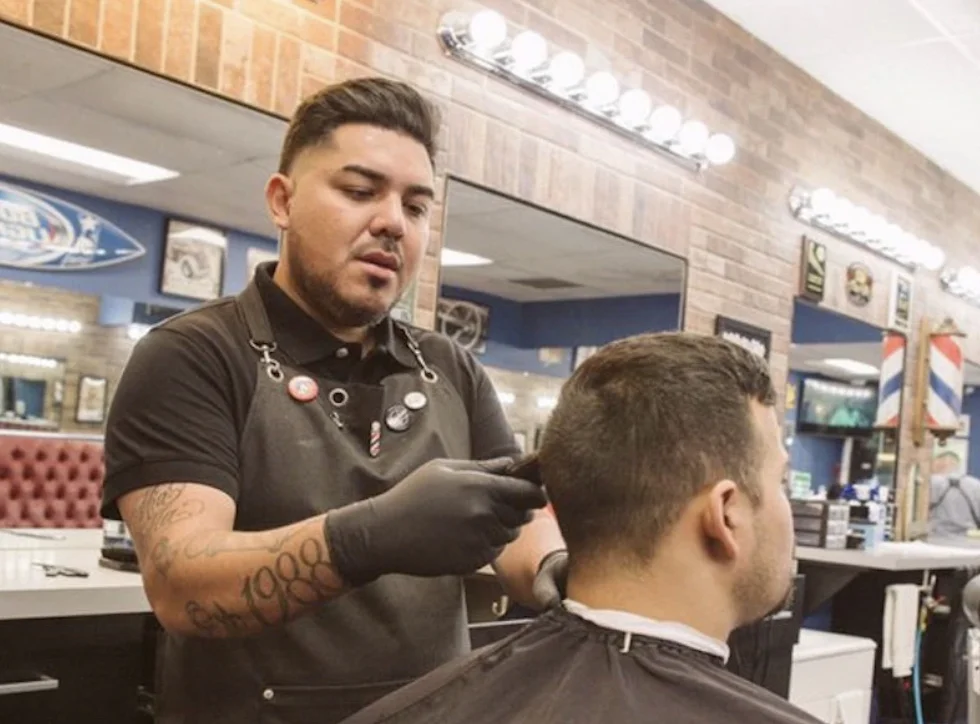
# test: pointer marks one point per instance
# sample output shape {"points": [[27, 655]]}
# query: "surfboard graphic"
{"points": [[43, 233]]}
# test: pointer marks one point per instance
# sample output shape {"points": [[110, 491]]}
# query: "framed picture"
{"points": [[465, 322], [92, 396], [754, 339], [257, 255], [193, 261]]}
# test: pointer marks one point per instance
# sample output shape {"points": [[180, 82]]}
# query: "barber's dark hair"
{"points": [[640, 428], [379, 102]]}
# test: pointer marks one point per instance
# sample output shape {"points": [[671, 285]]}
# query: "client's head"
{"points": [[664, 453]]}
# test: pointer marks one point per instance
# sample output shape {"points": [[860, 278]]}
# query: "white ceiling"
{"points": [[913, 65], [526, 242], [809, 358]]}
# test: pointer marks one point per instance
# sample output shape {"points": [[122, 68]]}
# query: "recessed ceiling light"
{"points": [[852, 366], [130, 171], [451, 257]]}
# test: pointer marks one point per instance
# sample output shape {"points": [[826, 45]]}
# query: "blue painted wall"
{"points": [[813, 325], [138, 280], [971, 407], [517, 331]]}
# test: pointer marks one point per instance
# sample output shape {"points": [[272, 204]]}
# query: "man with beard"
{"points": [[295, 466], [664, 463]]}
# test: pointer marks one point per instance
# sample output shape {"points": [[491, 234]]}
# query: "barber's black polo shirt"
{"points": [[183, 399]]}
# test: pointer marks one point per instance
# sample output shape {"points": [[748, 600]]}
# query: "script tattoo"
{"points": [[216, 622], [162, 506], [294, 582], [163, 555], [214, 543]]}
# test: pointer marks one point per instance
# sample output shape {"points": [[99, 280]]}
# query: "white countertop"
{"points": [[26, 592], [897, 556]]}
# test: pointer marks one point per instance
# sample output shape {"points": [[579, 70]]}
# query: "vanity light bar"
{"points": [[963, 283], [482, 40], [837, 215], [41, 324], [27, 359]]}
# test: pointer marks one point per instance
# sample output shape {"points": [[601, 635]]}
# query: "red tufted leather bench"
{"points": [[50, 482]]}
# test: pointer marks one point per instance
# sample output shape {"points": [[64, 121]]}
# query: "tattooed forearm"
{"points": [[213, 543], [216, 622], [163, 555]]}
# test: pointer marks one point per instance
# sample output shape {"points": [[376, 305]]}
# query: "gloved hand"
{"points": [[550, 582], [449, 517]]}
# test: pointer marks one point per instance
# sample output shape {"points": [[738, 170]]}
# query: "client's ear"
{"points": [[722, 519]]}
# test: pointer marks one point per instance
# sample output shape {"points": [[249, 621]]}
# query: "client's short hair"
{"points": [[640, 428]]}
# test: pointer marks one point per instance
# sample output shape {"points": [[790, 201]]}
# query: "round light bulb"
{"points": [[663, 124], [969, 278], [693, 137], [529, 51], [892, 238], [720, 149], [601, 89], [860, 220], [877, 228], [842, 213], [933, 257], [566, 70], [488, 30], [634, 107], [822, 202]]}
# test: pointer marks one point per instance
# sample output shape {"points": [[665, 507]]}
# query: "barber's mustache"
{"points": [[384, 244]]}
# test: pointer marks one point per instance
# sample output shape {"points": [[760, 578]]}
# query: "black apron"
{"points": [[299, 459]]}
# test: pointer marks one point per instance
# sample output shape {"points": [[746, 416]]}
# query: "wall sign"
{"points": [[900, 306], [813, 280], [859, 284], [754, 339], [42, 233]]}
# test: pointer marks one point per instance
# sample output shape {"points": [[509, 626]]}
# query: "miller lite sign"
{"points": [[42, 233]]}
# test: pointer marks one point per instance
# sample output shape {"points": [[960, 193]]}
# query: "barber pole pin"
{"points": [[375, 445], [945, 399], [892, 380]]}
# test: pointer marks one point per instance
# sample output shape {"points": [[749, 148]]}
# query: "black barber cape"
{"points": [[563, 669]]}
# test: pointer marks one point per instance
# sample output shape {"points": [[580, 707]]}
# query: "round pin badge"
{"points": [[415, 401], [303, 388], [398, 418]]}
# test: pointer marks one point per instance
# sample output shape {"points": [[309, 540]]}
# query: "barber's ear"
{"points": [[722, 519], [278, 190]]}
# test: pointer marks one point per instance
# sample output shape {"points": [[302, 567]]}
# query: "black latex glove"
{"points": [[449, 517], [551, 580]]}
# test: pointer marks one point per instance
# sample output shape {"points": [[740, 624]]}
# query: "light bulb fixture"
{"points": [[40, 324], [823, 209], [29, 360], [963, 282], [481, 41]]}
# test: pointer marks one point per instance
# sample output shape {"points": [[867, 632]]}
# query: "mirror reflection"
{"points": [[842, 403], [954, 498], [32, 390], [532, 294]]}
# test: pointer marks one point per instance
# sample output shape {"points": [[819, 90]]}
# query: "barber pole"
{"points": [[892, 380], [945, 398]]}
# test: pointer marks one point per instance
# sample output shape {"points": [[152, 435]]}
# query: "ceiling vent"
{"points": [[545, 283]]}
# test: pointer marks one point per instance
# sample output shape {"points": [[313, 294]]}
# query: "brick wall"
{"points": [[733, 225]]}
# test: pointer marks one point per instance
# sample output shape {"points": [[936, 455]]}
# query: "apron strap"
{"points": [[256, 319]]}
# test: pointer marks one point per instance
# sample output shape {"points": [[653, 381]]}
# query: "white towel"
{"points": [[899, 626]]}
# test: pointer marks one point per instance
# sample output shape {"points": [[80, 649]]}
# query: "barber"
{"points": [[295, 466]]}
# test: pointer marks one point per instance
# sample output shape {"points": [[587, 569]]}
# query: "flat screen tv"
{"points": [[840, 409]]}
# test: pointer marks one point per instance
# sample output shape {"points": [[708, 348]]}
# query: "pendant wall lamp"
{"points": [[483, 40], [837, 215], [963, 283]]}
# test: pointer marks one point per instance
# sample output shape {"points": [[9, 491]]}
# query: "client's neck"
{"points": [[669, 590]]}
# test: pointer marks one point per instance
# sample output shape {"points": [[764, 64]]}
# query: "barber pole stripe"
{"points": [[945, 382], [892, 379], [375, 449]]}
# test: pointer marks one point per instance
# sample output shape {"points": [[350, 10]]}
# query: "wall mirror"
{"points": [[89, 255], [960, 454], [843, 399], [32, 391], [532, 293]]}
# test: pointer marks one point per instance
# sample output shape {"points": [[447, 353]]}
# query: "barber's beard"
{"points": [[321, 293]]}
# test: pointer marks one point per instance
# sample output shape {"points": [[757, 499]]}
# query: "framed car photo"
{"points": [[193, 261]]}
